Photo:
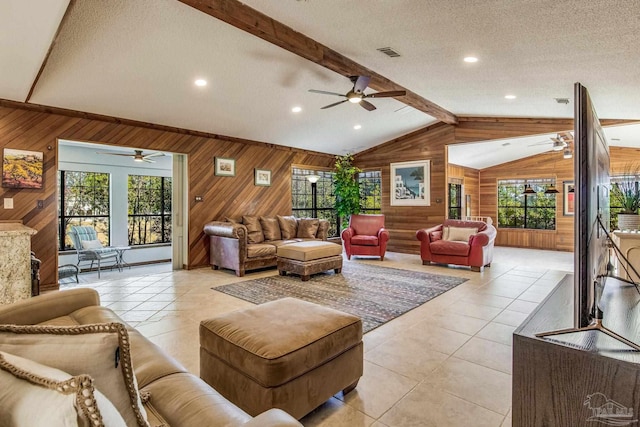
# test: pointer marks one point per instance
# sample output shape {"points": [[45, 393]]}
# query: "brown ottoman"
{"points": [[310, 257], [288, 354]]}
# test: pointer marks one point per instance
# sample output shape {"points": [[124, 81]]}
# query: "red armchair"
{"points": [[470, 244], [365, 236]]}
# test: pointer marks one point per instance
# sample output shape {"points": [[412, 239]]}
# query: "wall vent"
{"points": [[389, 52], [562, 100]]}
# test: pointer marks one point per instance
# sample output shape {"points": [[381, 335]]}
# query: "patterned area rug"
{"points": [[375, 294]]}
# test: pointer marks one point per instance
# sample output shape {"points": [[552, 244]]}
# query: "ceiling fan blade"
{"points": [[145, 159], [334, 104], [361, 84], [367, 105], [156, 154], [114, 154], [324, 92], [389, 94]]}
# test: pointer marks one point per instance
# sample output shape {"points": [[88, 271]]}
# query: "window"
{"points": [[370, 192], [534, 211], [149, 210], [455, 201], [303, 194], [83, 200]]}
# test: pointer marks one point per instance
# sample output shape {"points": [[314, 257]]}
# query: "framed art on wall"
{"points": [[22, 168], [262, 177], [410, 183], [224, 166], [568, 198]]}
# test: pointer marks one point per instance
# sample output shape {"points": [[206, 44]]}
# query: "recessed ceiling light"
{"points": [[356, 127], [201, 82], [509, 97], [296, 109], [470, 59]]}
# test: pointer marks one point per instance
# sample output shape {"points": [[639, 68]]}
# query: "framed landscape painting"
{"points": [[22, 168], [224, 167], [263, 177], [410, 183], [569, 197]]}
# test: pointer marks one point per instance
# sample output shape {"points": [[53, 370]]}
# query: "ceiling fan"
{"points": [[560, 142], [137, 156], [357, 95]]}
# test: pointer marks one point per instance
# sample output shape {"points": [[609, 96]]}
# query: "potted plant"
{"points": [[347, 188], [625, 192]]}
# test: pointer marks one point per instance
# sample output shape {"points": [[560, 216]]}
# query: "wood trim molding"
{"points": [[260, 25], [110, 119]]}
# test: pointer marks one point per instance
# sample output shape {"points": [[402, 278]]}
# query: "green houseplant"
{"points": [[625, 193], [347, 188]]}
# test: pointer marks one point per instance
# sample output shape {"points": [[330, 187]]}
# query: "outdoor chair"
{"points": [[89, 248]]}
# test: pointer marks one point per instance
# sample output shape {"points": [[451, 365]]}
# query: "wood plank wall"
{"points": [[223, 196], [471, 185], [403, 221], [430, 143]]}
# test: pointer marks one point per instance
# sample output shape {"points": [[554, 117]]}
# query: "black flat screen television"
{"points": [[592, 207]]}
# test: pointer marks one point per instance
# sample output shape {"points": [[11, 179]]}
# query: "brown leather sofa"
{"points": [[458, 242], [251, 242], [179, 397]]}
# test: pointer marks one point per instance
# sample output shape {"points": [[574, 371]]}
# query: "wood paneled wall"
{"points": [[621, 157], [471, 185], [222, 196], [546, 165], [403, 221]]}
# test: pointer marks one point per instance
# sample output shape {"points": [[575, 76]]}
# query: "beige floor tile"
{"points": [[511, 318], [534, 295], [481, 298], [477, 384], [379, 424], [483, 312], [133, 297], [486, 353], [121, 305], [423, 407], [152, 305], [507, 421], [521, 306], [137, 316], [335, 413], [434, 338], [456, 322], [502, 290], [497, 332], [367, 397]]}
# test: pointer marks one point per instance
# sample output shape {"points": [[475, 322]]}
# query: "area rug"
{"points": [[375, 294]]}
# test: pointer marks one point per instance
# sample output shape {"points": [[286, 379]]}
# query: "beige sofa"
{"points": [[177, 396], [251, 242]]}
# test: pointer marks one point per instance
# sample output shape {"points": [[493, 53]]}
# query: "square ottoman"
{"points": [[310, 257], [288, 354]]}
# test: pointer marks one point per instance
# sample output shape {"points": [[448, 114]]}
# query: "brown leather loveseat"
{"points": [[251, 242], [458, 242]]}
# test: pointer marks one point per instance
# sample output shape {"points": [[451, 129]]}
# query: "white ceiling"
{"points": [[137, 59]]}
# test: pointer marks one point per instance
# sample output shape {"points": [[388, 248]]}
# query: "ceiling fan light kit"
{"points": [[357, 96]]}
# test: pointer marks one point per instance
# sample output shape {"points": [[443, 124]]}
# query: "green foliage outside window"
{"points": [[535, 211], [149, 209]]}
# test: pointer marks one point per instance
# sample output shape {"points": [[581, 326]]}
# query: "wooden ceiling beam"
{"points": [[260, 25]]}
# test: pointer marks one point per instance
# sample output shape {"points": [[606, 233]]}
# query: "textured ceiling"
{"points": [[137, 59]]}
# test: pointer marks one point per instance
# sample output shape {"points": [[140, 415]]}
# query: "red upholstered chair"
{"points": [[365, 236], [468, 243]]}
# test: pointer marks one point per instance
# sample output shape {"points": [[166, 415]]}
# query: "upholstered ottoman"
{"points": [[310, 257], [288, 354]]}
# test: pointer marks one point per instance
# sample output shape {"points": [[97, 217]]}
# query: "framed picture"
{"points": [[568, 197], [21, 168], [410, 183], [224, 167], [262, 177]]}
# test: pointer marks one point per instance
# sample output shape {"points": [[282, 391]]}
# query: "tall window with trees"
{"points": [[370, 191], [532, 211], [149, 209], [302, 196], [455, 201], [83, 199]]}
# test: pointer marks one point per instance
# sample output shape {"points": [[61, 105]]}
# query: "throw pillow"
{"points": [[101, 351], [445, 233], [308, 228], [91, 244], [270, 228], [36, 395], [288, 227], [460, 234], [254, 229]]}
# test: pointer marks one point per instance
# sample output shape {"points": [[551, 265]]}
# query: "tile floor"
{"points": [[446, 363]]}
